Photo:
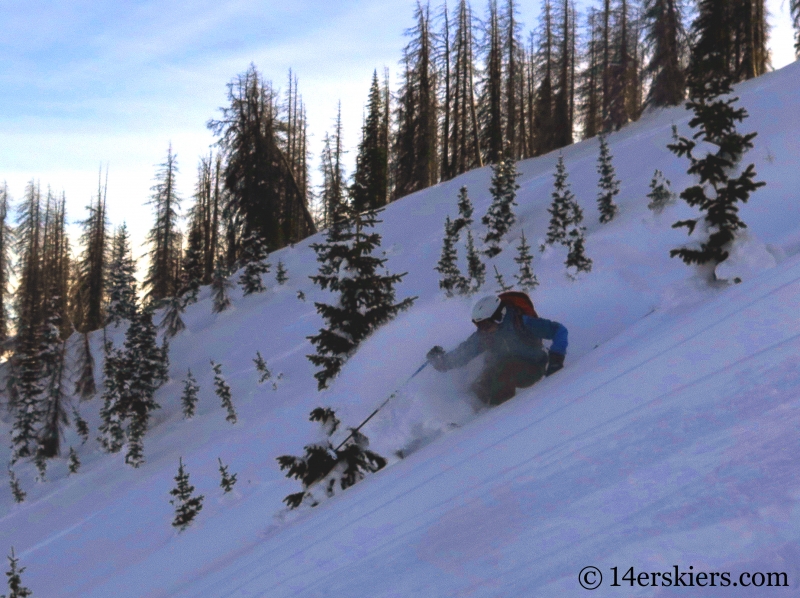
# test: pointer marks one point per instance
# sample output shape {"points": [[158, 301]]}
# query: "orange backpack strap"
{"points": [[519, 300]]}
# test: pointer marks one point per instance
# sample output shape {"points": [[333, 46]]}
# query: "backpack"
{"points": [[521, 305]]}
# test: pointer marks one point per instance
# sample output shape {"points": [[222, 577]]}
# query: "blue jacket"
{"points": [[509, 341]]}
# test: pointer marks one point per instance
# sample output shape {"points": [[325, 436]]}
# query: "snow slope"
{"points": [[671, 438]]}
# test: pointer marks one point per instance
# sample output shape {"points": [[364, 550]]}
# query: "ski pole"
{"points": [[382, 405]]}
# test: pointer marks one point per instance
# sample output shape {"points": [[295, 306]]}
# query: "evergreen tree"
{"points": [[560, 209], [490, 103], [324, 466], [92, 266], [500, 281], [114, 410], [333, 194], [220, 287], [85, 386], [74, 461], [500, 217], [81, 427], [189, 395], [465, 209], [14, 576], [366, 299], [187, 506], [261, 367], [415, 153], [256, 265], [223, 391], [172, 323], [591, 87], [715, 117], [543, 122], [609, 184], [665, 40], [281, 275], [370, 180], [6, 243], [660, 195], [227, 480], [576, 241], [16, 489], [121, 280], [451, 277], [794, 6], [562, 98], [526, 279], [52, 356], [476, 270]]}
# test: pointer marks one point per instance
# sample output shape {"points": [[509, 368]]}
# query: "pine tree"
{"points": [[324, 466], [16, 489], [93, 264], [114, 410], [545, 134], [715, 117], [451, 279], [526, 279], [609, 184], [333, 195], [576, 256], [187, 506], [121, 280], [500, 217], [256, 265], [223, 391], [15, 579], [660, 195], [560, 209], [6, 243], [164, 238], [220, 287], [81, 427], [261, 367], [370, 180], [500, 281], [465, 210], [74, 461], [476, 270], [85, 386], [227, 480], [490, 102], [52, 356], [189, 395], [171, 322], [665, 39], [366, 299], [281, 275]]}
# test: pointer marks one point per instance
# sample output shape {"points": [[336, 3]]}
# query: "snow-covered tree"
{"points": [[189, 395], [609, 184], [121, 280], [255, 264], [526, 279], [465, 210], [261, 367], [223, 391], [16, 489], [281, 275], [81, 427], [172, 322], [74, 462], [227, 480], [476, 269], [85, 386], [14, 576], [451, 278], [717, 191], [660, 195], [114, 410], [561, 208], [220, 289], [500, 217], [324, 466], [187, 506], [366, 299], [501, 282]]}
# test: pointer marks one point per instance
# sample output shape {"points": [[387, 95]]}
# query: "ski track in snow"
{"points": [[670, 438]]}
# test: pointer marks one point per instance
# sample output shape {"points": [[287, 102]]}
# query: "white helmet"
{"points": [[486, 308]]}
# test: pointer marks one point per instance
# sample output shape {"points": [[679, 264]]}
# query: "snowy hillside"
{"points": [[670, 439]]}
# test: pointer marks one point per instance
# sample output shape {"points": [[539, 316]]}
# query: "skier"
{"points": [[511, 333]]}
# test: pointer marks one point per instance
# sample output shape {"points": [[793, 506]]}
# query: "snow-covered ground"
{"points": [[670, 439]]}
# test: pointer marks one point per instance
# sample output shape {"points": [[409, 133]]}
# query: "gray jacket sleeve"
{"points": [[463, 353]]}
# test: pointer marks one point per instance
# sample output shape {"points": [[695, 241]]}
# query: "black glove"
{"points": [[555, 363], [436, 358]]}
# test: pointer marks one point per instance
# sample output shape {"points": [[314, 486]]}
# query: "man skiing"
{"points": [[511, 333]]}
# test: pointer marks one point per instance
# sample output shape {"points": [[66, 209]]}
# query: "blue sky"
{"points": [[88, 82]]}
